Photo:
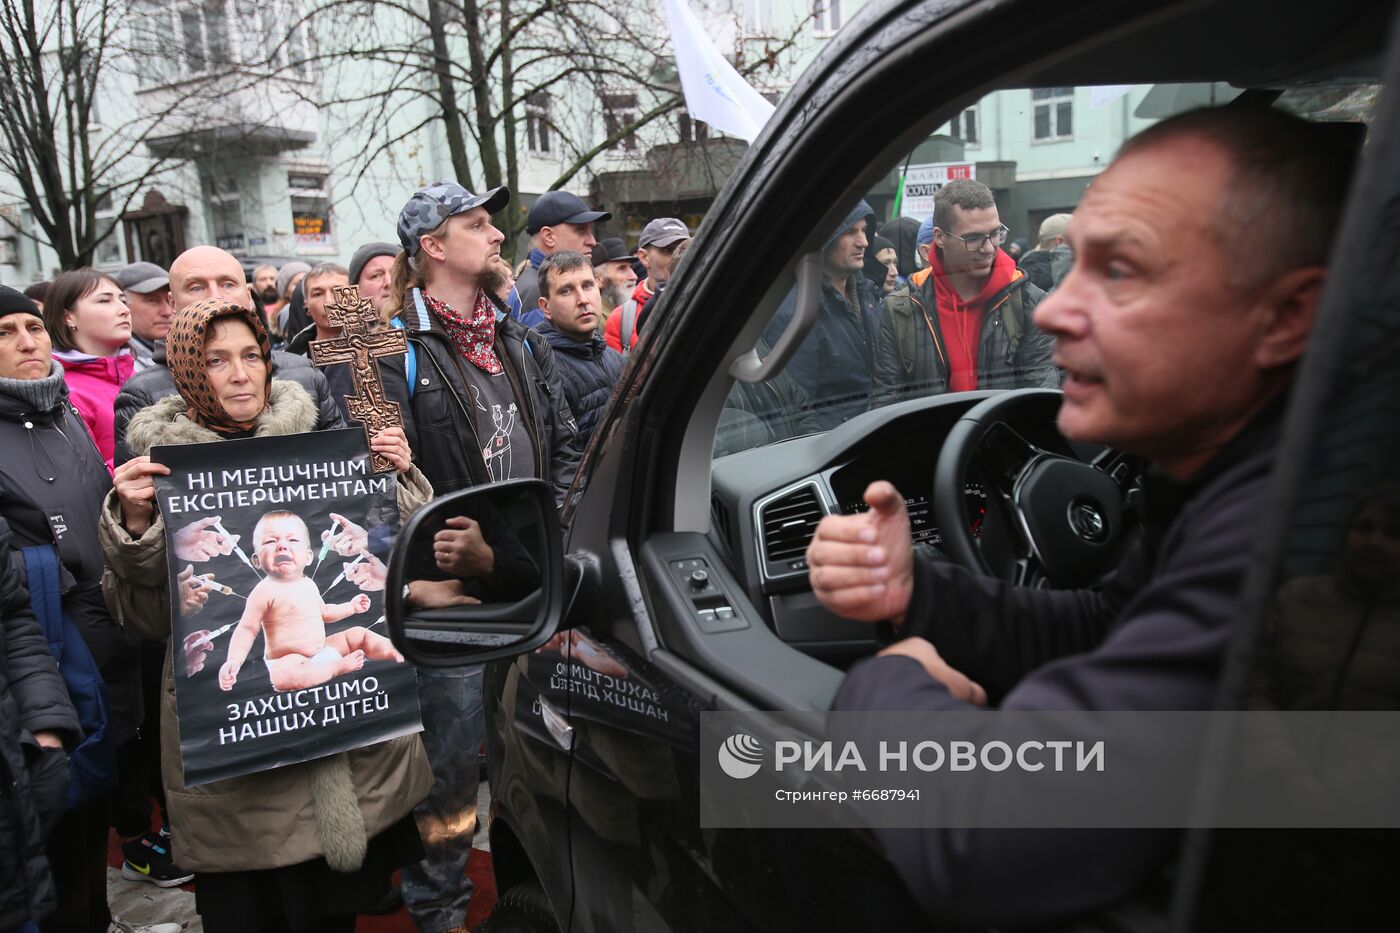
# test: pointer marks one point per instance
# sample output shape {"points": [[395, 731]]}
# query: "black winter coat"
{"points": [[156, 383], [1003, 361], [32, 699], [835, 364], [588, 371], [54, 469], [1152, 637], [448, 450]]}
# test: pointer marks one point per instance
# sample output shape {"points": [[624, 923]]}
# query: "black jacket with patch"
{"points": [[448, 449]]}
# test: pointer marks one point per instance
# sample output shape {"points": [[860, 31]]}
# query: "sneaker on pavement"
{"points": [[148, 859], [120, 927]]}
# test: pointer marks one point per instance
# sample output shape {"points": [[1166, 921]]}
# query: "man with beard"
{"points": [[963, 323], [265, 284], [488, 406], [616, 277]]}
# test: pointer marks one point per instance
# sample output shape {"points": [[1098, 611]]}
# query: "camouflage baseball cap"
{"points": [[430, 206]]}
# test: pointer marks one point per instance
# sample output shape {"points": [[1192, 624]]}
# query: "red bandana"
{"points": [[473, 337]]}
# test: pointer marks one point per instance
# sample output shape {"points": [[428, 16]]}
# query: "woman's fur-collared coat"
{"points": [[328, 807]]}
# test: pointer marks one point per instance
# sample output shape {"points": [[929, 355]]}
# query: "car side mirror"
{"points": [[477, 576]]}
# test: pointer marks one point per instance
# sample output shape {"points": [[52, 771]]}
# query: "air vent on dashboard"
{"points": [[788, 525]]}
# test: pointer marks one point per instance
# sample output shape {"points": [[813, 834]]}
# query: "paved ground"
{"points": [[139, 902]]}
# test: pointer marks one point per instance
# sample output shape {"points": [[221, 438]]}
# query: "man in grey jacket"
{"points": [[1174, 351]]}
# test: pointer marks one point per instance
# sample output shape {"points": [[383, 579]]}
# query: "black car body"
{"points": [[594, 769]]}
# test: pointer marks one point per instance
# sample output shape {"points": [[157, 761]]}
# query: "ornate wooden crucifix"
{"points": [[360, 345]]}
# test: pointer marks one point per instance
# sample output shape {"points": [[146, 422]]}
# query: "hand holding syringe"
{"points": [[326, 540], [336, 581]]}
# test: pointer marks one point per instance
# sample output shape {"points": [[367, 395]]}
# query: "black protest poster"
{"points": [[278, 549]]}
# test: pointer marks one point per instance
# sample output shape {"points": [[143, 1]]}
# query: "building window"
{"points": [[620, 112], [691, 130], [537, 128], [225, 212], [826, 17], [964, 127], [760, 19], [9, 251], [204, 36], [311, 210], [109, 248], [191, 38], [1052, 113]]}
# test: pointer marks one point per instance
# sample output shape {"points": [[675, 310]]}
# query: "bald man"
{"points": [[196, 274], [208, 272]]}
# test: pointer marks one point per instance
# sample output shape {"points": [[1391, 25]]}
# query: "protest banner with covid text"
{"points": [[277, 549]]}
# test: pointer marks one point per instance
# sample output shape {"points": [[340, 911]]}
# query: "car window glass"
{"points": [[1329, 636], [882, 334]]}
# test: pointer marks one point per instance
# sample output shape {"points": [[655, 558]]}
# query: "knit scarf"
{"points": [[474, 337], [184, 354], [41, 395]]}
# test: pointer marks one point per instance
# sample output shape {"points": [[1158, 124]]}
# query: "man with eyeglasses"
{"points": [[963, 323]]}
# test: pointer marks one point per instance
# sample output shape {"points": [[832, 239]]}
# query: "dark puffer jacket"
{"points": [[149, 385], [1011, 354], [32, 699], [52, 481], [589, 369]]}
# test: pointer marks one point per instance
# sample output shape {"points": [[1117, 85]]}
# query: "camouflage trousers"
{"points": [[437, 889]]}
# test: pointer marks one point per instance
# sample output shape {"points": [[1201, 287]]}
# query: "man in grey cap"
{"points": [[370, 269], [657, 250], [146, 287], [612, 263], [486, 405], [557, 221]]}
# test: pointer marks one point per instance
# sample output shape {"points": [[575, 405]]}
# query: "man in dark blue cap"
{"points": [[835, 363], [487, 404], [556, 222]]}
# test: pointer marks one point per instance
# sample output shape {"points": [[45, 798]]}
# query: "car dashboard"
{"points": [[766, 503]]}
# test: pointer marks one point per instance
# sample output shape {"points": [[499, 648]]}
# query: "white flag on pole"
{"points": [[714, 91]]}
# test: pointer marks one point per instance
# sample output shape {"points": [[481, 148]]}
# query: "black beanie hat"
{"points": [[13, 301]]}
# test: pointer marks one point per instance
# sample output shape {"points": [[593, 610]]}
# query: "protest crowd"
{"points": [[507, 375]]}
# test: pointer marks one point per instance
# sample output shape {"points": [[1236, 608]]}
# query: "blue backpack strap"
{"points": [[92, 766], [41, 566], [410, 362]]}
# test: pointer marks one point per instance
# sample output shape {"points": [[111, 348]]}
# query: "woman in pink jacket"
{"points": [[90, 326]]}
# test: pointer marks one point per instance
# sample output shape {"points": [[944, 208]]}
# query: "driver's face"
{"points": [[1159, 349]]}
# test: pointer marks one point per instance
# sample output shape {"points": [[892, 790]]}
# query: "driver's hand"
{"points": [[959, 684], [862, 566]]}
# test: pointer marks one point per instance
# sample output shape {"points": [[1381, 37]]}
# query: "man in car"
{"points": [[963, 323], [487, 406], [1179, 345], [835, 364], [557, 221]]}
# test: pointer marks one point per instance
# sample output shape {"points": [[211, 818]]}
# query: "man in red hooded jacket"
{"points": [[963, 323]]}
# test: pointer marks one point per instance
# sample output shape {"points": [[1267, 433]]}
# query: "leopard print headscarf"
{"points": [[184, 354]]}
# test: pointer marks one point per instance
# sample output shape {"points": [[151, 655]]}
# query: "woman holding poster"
{"points": [[298, 847]]}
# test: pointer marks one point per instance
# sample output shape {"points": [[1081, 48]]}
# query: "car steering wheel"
{"points": [[1062, 516]]}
